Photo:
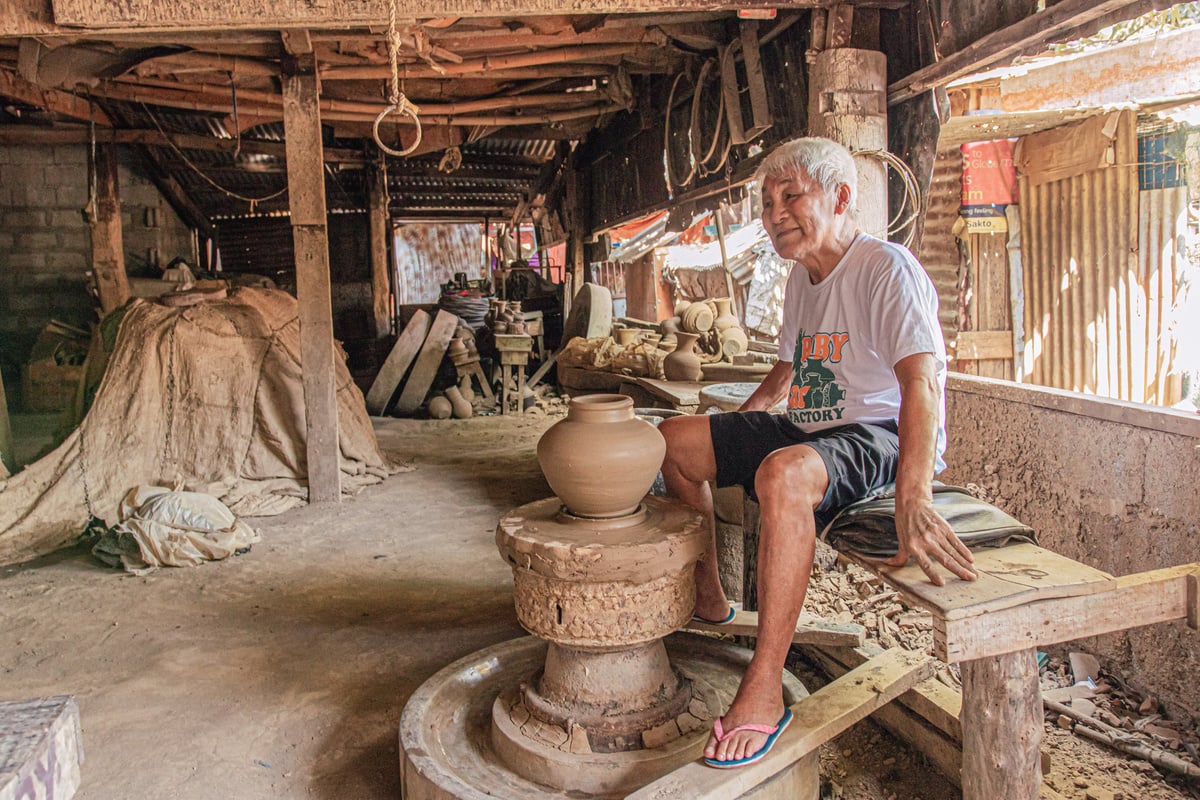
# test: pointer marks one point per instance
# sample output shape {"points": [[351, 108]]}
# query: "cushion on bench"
{"points": [[868, 527]]}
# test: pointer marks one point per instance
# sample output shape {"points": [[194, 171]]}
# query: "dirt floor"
{"points": [[282, 673]]}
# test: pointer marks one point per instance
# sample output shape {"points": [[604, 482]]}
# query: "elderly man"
{"points": [[862, 365]]}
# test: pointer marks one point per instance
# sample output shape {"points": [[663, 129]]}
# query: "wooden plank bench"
{"points": [[1026, 597]]}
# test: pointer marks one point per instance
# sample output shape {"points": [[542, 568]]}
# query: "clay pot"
{"points": [[651, 339], [725, 318], [627, 336], [734, 341], [683, 364], [669, 328], [461, 408], [458, 351], [697, 318], [440, 408], [681, 306], [464, 388], [601, 460]]}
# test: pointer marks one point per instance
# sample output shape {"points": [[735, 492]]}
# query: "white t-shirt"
{"points": [[845, 334]]}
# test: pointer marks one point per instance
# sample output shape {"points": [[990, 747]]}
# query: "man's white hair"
{"points": [[827, 162]]}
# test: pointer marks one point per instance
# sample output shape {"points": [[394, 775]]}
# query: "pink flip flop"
{"points": [[772, 737]]}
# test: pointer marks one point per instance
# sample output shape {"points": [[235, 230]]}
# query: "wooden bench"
{"points": [[1025, 597]]}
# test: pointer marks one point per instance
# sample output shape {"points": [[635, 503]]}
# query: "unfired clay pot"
{"points": [[725, 317], [697, 318], [682, 364], [627, 336], [461, 407], [601, 460], [440, 408], [734, 341]]}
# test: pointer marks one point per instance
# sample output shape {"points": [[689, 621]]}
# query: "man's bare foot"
{"points": [[714, 610], [750, 707]]}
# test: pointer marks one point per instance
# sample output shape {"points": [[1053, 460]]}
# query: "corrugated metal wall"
{"points": [[939, 248], [1162, 232], [1094, 307], [428, 255]]}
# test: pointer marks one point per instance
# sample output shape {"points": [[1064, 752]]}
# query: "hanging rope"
{"points": [[397, 102], [253, 201], [672, 181]]}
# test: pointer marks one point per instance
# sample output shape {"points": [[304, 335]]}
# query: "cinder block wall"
{"points": [[1107, 483], [45, 242]]}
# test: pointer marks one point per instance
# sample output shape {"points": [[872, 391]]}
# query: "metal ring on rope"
{"points": [[402, 107]]}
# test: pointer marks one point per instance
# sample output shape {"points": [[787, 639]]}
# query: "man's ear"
{"points": [[842, 196]]}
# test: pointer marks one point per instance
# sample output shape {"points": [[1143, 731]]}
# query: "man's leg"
{"points": [[790, 483], [688, 467]]}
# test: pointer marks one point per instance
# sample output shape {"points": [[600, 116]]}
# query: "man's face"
{"points": [[799, 215]]}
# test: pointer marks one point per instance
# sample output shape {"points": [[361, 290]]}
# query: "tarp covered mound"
{"points": [[209, 395]]}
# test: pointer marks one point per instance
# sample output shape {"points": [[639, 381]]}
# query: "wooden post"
{"points": [[847, 102], [108, 250], [381, 265], [1001, 727], [577, 203], [306, 197]]}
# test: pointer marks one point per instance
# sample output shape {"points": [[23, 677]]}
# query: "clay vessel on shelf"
{"points": [[601, 460], [734, 341], [627, 336], [697, 318], [458, 351], [683, 364], [462, 409], [725, 318], [669, 327], [440, 408]]}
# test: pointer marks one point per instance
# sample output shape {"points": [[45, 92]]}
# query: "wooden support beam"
{"points": [[176, 195], [306, 198], [296, 42], [30, 135], [381, 265], [925, 717], [108, 251], [16, 87], [818, 718], [1002, 727], [1035, 30]]}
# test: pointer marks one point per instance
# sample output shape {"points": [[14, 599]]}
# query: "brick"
{"points": [[67, 261], [68, 175], [67, 218], [69, 154], [38, 240], [30, 301], [25, 219], [24, 260], [71, 196], [78, 239]]}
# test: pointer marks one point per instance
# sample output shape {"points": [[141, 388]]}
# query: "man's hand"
{"points": [[927, 539]]}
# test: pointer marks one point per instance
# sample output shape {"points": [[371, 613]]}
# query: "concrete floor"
{"points": [[281, 673]]}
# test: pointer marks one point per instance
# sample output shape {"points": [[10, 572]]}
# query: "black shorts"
{"points": [[859, 458]]}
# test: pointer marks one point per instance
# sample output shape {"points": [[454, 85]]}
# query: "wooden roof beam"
{"points": [[16, 87], [1035, 30]]}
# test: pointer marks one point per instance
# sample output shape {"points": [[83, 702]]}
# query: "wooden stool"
{"points": [[470, 369], [514, 352]]}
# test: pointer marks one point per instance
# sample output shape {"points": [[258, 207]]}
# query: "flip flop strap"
{"points": [[723, 734]]}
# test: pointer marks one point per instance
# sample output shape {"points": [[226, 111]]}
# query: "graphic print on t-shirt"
{"points": [[815, 395]]}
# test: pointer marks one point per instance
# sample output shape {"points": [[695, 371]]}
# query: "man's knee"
{"points": [[792, 475]]}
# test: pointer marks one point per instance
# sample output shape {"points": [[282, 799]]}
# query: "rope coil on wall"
{"points": [[907, 213], [698, 163]]}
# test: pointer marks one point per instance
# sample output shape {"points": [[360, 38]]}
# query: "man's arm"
{"points": [[773, 388], [924, 535]]}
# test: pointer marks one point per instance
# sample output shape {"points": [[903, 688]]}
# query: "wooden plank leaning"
{"points": [[818, 718], [428, 361], [403, 353]]}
